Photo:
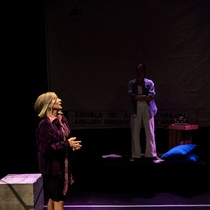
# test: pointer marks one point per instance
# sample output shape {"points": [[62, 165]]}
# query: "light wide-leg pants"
{"points": [[143, 116]]}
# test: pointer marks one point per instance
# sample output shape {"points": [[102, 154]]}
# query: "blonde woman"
{"points": [[55, 145]]}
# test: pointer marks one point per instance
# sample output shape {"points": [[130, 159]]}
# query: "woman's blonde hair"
{"points": [[42, 103]]}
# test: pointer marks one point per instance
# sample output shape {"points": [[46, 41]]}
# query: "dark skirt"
{"points": [[53, 187]]}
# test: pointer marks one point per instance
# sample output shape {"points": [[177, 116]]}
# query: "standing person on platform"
{"points": [[142, 110], [55, 145]]}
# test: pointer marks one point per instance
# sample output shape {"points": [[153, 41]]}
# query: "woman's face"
{"points": [[140, 73], [56, 104]]}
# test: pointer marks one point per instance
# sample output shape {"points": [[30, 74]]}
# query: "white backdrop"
{"points": [[93, 47]]}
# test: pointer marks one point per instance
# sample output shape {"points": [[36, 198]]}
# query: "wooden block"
{"points": [[21, 192]]}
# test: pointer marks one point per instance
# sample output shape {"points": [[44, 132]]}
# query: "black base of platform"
{"points": [[120, 174]]}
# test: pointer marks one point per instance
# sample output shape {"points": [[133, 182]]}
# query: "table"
{"points": [[180, 134]]}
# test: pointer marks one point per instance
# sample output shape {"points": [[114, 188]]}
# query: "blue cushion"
{"points": [[180, 151], [192, 158]]}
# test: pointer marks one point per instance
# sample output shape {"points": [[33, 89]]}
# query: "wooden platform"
{"points": [[21, 192]]}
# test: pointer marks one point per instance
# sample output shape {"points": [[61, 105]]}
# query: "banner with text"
{"points": [[93, 119]]}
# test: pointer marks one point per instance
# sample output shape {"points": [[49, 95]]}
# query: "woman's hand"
{"points": [[74, 144], [141, 97]]}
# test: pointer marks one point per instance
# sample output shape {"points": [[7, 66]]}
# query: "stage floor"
{"points": [[115, 201], [117, 183]]}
